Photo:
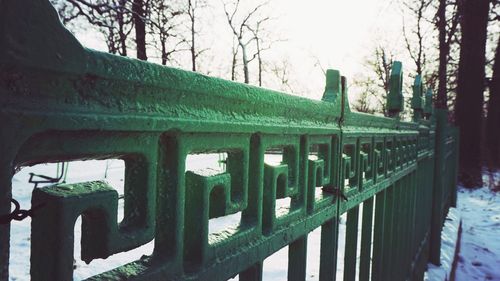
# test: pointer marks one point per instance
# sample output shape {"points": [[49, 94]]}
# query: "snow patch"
{"points": [[479, 257], [449, 238]]}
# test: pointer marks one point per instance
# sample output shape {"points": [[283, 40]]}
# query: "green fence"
{"points": [[62, 102]]}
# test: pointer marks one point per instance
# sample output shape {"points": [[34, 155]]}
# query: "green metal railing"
{"points": [[62, 102]]}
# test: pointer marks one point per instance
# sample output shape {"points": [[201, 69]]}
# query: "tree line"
{"points": [[447, 42], [162, 29], [452, 44]]}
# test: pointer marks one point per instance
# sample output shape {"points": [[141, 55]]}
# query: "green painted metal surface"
{"points": [[60, 101]]}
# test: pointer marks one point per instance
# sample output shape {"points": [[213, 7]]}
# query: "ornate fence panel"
{"points": [[61, 102]]}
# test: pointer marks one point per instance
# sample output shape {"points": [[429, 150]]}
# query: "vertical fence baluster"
{"points": [[351, 243], [395, 256], [366, 240], [297, 259], [378, 236], [388, 242], [253, 273], [328, 254]]}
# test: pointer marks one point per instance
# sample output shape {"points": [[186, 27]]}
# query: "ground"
{"points": [[479, 209], [479, 256]]}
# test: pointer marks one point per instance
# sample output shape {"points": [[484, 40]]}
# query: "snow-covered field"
{"points": [[479, 209], [479, 257]]}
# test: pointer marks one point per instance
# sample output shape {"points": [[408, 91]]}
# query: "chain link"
{"points": [[18, 214]]}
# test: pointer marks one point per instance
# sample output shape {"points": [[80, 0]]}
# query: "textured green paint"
{"points": [[297, 259], [333, 87], [417, 99], [439, 191], [328, 254], [428, 109], [395, 100], [60, 101], [366, 237], [351, 243], [378, 236]]}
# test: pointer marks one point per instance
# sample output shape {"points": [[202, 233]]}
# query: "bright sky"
{"points": [[339, 34], [339, 31]]}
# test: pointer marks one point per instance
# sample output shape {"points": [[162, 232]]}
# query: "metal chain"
{"points": [[18, 214]]}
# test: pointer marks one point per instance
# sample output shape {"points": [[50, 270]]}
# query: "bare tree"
{"points": [[442, 19], [242, 32], [416, 47], [281, 71], [362, 104], [113, 18], [375, 84], [261, 44], [381, 64], [192, 11], [447, 30], [164, 23], [139, 17], [370, 93], [234, 62]]}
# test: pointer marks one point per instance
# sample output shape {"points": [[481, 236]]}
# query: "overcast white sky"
{"points": [[339, 32]]}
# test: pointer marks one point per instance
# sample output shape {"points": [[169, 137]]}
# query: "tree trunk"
{"points": [[140, 28], [110, 42], [471, 82], [493, 121], [259, 60], [444, 50], [233, 64], [245, 63], [121, 28], [193, 33], [163, 43]]}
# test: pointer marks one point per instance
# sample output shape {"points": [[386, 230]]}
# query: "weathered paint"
{"points": [[60, 101]]}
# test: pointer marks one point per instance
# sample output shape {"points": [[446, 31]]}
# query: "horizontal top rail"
{"points": [[105, 83]]}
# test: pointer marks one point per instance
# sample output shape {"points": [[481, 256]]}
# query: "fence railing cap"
{"points": [[395, 100], [428, 108]]}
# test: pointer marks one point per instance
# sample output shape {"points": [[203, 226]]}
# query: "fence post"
{"points": [[441, 117]]}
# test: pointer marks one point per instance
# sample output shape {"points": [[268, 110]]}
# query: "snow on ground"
{"points": [[112, 171], [479, 257], [479, 252], [449, 237]]}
